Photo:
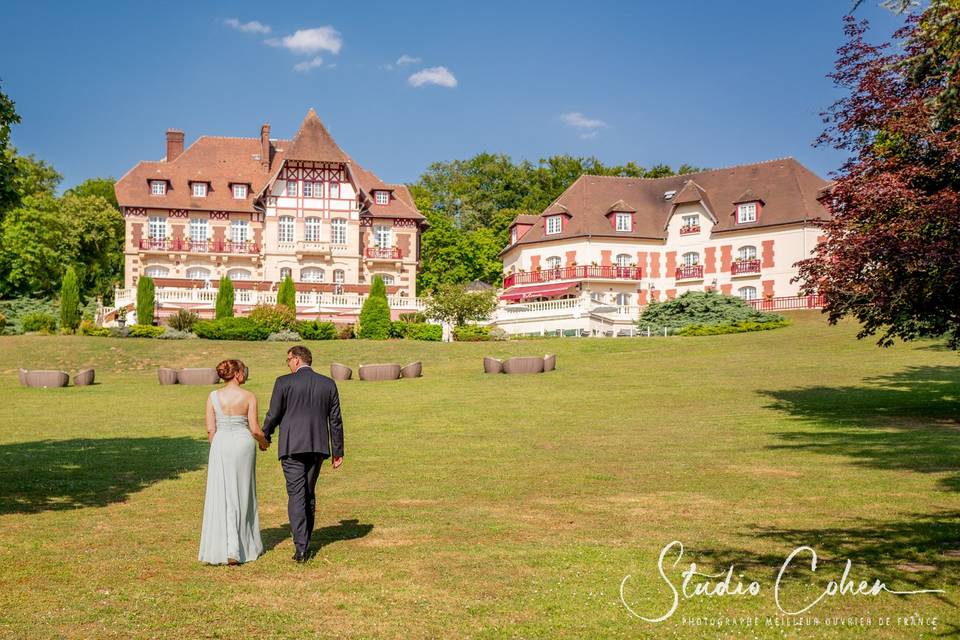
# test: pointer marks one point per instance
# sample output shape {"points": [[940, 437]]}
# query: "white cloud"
{"points": [[310, 41], [307, 65], [405, 60], [588, 127], [247, 27], [434, 75]]}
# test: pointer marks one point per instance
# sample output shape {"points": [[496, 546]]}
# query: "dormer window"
{"points": [[239, 191], [624, 222], [513, 236], [690, 224], [199, 189], [158, 187], [747, 212], [382, 197], [554, 225]]}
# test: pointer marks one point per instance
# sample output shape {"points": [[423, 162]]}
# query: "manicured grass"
{"points": [[486, 506]]}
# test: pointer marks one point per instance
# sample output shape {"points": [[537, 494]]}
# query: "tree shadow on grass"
{"points": [[906, 421], [323, 536], [55, 475]]}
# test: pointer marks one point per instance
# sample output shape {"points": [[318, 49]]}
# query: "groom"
{"points": [[306, 407]]}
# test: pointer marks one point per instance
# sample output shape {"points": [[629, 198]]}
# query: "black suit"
{"points": [[306, 407]]}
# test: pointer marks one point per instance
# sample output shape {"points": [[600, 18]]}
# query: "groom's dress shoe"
{"points": [[300, 557]]}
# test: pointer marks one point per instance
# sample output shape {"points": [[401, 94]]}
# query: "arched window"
{"points": [[623, 260], [285, 229], [553, 262], [386, 277], [338, 231], [312, 229], [747, 293], [198, 273], [156, 271], [238, 274], [311, 274], [748, 252], [691, 259], [339, 276], [285, 272], [622, 299]]}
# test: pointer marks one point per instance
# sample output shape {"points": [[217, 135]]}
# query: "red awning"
{"points": [[537, 291]]}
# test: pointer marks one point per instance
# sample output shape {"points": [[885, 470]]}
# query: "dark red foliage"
{"points": [[891, 257]]}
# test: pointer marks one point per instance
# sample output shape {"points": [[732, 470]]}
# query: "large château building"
{"points": [[259, 209], [610, 245]]}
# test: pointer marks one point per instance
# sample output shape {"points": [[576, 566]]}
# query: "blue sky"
{"points": [[708, 83]]}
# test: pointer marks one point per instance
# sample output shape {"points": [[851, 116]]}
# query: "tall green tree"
{"points": [[35, 242], [146, 300], [70, 301], [8, 117], [224, 307], [453, 303], [102, 187], [287, 294], [33, 176], [99, 228]]}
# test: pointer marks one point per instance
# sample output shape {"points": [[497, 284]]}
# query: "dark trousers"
{"points": [[301, 471]]}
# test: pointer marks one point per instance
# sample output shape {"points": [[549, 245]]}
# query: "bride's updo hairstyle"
{"points": [[228, 369]]}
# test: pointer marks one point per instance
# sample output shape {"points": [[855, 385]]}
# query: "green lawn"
{"points": [[493, 506]]}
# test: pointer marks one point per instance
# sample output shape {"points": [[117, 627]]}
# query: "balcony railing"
{"points": [[788, 302], [572, 273], [384, 253], [199, 246], [685, 231], [741, 267], [690, 272]]}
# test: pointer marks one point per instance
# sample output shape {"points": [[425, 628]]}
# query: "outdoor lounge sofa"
{"points": [[523, 364], [167, 375], [412, 370], [198, 376], [387, 371], [340, 371], [44, 378], [84, 377], [492, 365]]}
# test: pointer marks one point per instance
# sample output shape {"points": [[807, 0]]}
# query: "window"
{"points": [[158, 187], [239, 191], [238, 274], [311, 274], [513, 236], [334, 189], [382, 236], [198, 230], [307, 189], [285, 272], [157, 228], [622, 299], [198, 273], [386, 277], [338, 231], [199, 189], [691, 221], [553, 262], [291, 188], [691, 259], [747, 293], [285, 229], [624, 222], [747, 212], [383, 197], [748, 253], [623, 260], [312, 229], [156, 271], [554, 225], [339, 276], [239, 231]]}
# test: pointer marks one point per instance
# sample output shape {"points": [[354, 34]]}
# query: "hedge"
{"points": [[423, 331], [471, 333], [231, 329], [733, 327], [145, 331]]}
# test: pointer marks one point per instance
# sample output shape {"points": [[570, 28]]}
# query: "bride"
{"points": [[231, 525]]}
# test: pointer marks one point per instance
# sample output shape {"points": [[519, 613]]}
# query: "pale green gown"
{"points": [[231, 525]]}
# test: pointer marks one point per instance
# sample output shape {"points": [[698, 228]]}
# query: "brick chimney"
{"points": [[265, 145], [174, 144]]}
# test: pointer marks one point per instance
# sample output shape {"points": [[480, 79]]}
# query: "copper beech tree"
{"points": [[890, 256]]}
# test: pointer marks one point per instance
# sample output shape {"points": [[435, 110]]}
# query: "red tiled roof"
{"points": [[524, 218], [401, 203], [313, 143], [788, 189]]}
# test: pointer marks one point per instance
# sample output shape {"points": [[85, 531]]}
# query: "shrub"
{"points": [[346, 332], [316, 330], [146, 300], [413, 318], [18, 308], [70, 301], [231, 329], [224, 298], [275, 317], [169, 333], [734, 327], [424, 331], [89, 328], [700, 308], [499, 334], [183, 320], [375, 314], [287, 294], [146, 331], [471, 333], [398, 329], [3, 322], [284, 336], [42, 322], [119, 332]]}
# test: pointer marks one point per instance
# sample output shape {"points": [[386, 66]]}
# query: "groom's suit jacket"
{"points": [[306, 407]]}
